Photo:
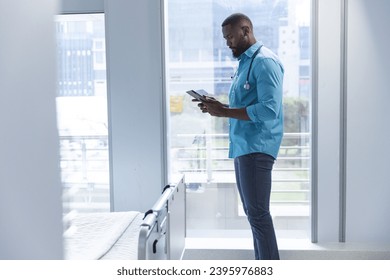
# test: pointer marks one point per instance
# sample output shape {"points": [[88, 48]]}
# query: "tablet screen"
{"points": [[197, 94]]}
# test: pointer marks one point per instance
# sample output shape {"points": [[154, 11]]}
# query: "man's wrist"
{"points": [[226, 112], [236, 113]]}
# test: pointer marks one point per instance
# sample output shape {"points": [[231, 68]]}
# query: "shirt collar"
{"points": [[251, 50]]}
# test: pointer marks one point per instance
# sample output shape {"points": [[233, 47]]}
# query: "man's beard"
{"points": [[239, 49]]}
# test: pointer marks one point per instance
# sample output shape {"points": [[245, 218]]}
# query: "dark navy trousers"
{"points": [[253, 176]]}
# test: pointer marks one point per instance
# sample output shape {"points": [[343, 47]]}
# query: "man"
{"points": [[255, 126]]}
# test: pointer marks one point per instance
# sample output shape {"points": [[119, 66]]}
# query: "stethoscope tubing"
{"points": [[247, 86]]}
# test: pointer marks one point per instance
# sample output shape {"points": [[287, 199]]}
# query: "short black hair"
{"points": [[236, 18]]}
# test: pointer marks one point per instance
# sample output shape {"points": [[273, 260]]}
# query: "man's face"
{"points": [[235, 39]]}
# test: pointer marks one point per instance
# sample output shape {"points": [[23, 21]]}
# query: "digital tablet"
{"points": [[198, 94]]}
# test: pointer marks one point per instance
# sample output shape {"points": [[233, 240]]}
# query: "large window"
{"points": [[197, 57], [82, 112]]}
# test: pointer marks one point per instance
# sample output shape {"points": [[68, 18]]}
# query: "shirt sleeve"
{"points": [[269, 81]]}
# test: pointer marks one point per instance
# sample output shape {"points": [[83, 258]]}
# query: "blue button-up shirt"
{"points": [[263, 102]]}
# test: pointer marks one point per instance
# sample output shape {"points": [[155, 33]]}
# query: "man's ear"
{"points": [[246, 30]]}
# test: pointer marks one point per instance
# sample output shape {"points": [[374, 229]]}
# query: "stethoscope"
{"points": [[247, 86]]}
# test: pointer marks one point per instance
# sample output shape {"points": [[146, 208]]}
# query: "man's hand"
{"points": [[212, 106], [218, 109]]}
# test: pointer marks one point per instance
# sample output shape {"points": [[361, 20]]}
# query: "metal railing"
{"points": [[206, 160], [84, 166]]}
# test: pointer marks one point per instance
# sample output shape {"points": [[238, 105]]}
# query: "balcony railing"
{"points": [[84, 165], [206, 160], [85, 169]]}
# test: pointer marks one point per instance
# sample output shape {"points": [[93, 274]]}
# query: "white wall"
{"points": [[368, 143], [83, 6], [329, 15], [367, 131], [30, 190], [136, 103]]}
